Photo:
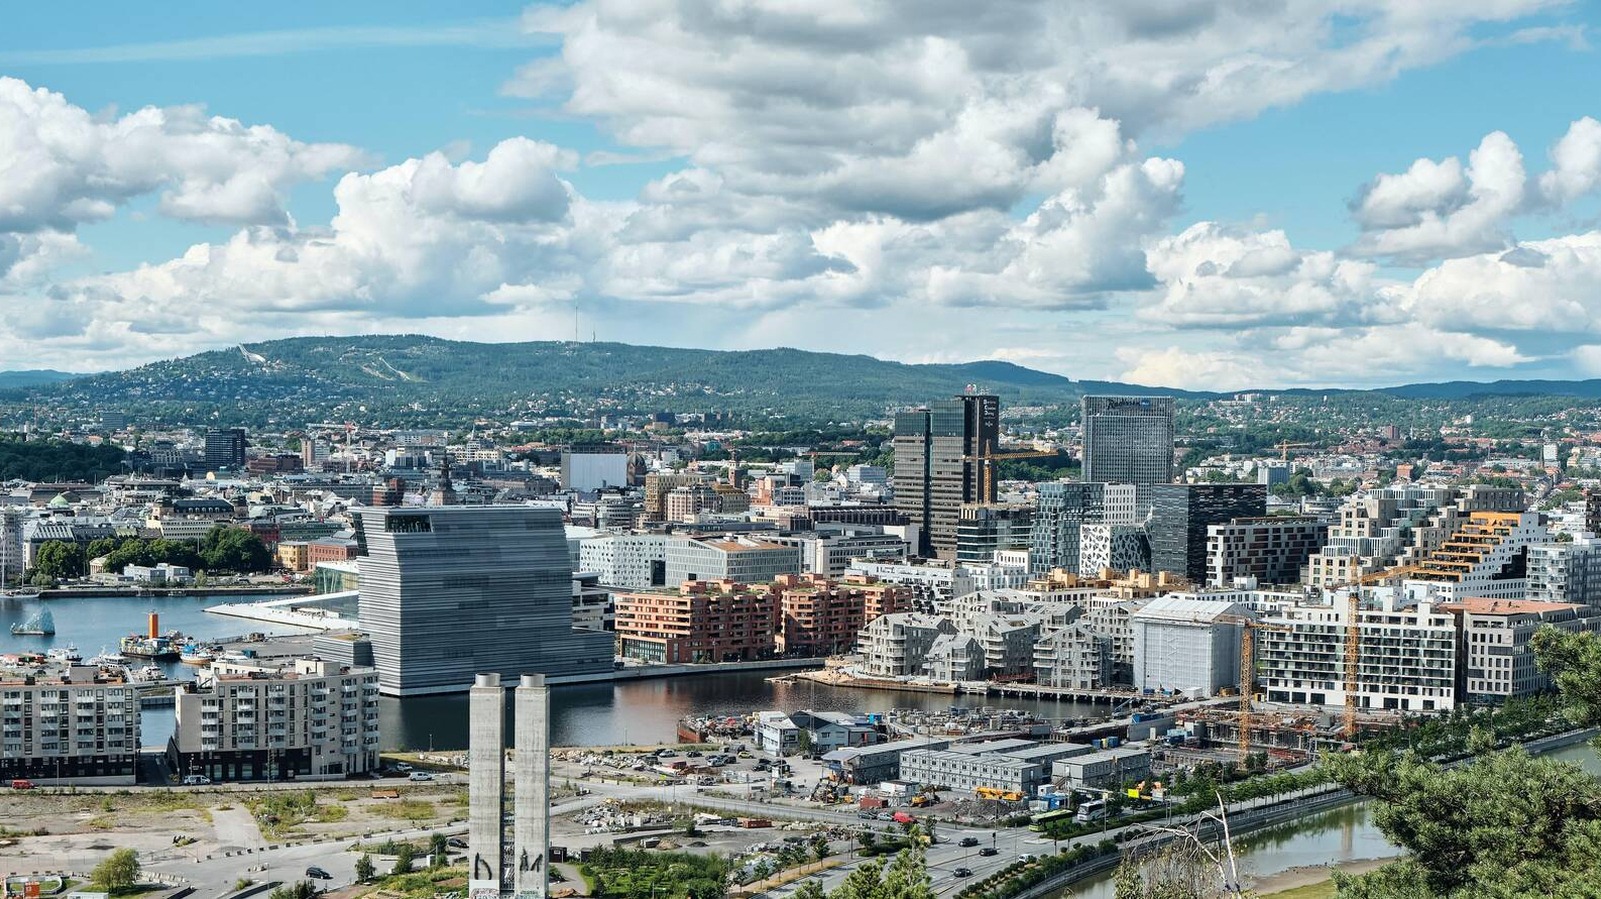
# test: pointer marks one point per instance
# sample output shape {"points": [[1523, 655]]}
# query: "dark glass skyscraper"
{"points": [[1128, 439], [938, 467], [225, 448], [1176, 517]]}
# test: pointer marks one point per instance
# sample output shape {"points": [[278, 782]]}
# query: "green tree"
{"points": [[1505, 825], [438, 851], [234, 549], [119, 871], [60, 559], [303, 889], [820, 847], [404, 856], [364, 868]]}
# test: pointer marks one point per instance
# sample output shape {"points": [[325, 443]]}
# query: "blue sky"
{"points": [[1223, 201]]}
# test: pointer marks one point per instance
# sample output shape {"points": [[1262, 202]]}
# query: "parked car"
{"points": [[885, 816], [968, 841], [196, 780], [456, 843], [402, 767], [1027, 857], [989, 850], [420, 777], [316, 873], [963, 872], [21, 784]]}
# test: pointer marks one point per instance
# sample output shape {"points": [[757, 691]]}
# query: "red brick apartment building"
{"points": [[705, 621], [725, 621], [822, 617]]}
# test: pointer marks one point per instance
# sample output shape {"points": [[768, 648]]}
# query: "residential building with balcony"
{"points": [[819, 616], [77, 727], [898, 645], [702, 621], [1497, 661], [1487, 556], [1566, 572], [301, 719], [1407, 658]]}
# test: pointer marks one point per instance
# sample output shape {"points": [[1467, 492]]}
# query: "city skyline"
{"points": [[1320, 195]]}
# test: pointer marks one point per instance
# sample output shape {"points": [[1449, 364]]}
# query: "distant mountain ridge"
{"points": [[298, 376], [31, 377], [417, 378]]}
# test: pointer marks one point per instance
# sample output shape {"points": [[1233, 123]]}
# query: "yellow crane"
{"points": [[1247, 672], [1353, 635], [986, 458], [1284, 447]]}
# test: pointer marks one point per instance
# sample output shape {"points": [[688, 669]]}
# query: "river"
{"points": [[642, 711], [1333, 837]]}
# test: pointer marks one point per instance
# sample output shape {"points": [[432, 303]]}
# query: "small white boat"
{"points": [[149, 674], [68, 654], [106, 658]]}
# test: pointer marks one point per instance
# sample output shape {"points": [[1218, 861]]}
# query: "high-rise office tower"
{"points": [[531, 803], [1176, 518], [939, 452], [1063, 508], [486, 783], [1128, 439], [450, 591], [225, 448]]}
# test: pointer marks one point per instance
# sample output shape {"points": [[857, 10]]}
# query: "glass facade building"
{"points": [[937, 467], [1128, 439]]}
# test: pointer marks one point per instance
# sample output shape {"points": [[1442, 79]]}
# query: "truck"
{"points": [[755, 822], [997, 793]]}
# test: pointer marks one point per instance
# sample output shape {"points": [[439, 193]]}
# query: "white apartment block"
{"points": [[833, 554], [1075, 657], [75, 727], [1408, 653], [897, 645], [257, 720], [744, 560], [1399, 525], [1486, 556], [1566, 572]]}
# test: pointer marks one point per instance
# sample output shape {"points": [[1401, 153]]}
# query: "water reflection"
{"points": [[648, 711]]}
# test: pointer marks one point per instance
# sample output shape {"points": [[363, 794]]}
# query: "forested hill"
{"points": [[400, 379], [11, 379]]}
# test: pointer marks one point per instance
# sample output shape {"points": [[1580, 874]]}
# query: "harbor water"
{"points": [[94, 624], [1333, 838], [637, 711]]}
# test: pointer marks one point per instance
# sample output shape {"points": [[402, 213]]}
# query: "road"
{"points": [[215, 876]]}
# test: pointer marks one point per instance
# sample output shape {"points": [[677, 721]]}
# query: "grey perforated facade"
{"points": [[451, 591]]}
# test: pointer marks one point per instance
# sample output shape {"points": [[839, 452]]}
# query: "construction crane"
{"points": [[987, 457], [1353, 635], [1247, 672], [1284, 447]]}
